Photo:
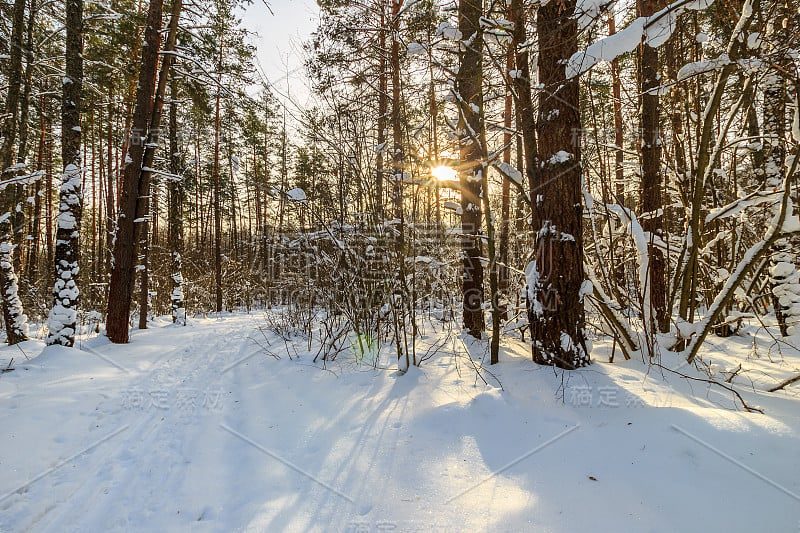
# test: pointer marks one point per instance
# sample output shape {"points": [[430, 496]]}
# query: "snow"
{"points": [[641, 240], [198, 428], [454, 206], [606, 49], [449, 32], [701, 67], [560, 157], [655, 30], [510, 172], [754, 40], [589, 11], [415, 49], [296, 195]]}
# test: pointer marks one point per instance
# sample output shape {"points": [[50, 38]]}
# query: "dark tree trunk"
{"points": [[783, 271], [651, 204], [122, 273], [404, 358], [32, 263], [470, 97], [13, 315], [524, 103], [383, 99], [217, 212], [110, 197], [505, 206], [153, 138], [18, 213], [556, 276]]}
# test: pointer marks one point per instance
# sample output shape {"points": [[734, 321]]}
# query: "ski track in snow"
{"points": [[290, 446], [148, 460]]}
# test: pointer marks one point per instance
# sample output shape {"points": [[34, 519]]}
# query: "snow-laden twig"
{"points": [[655, 30], [747, 263]]}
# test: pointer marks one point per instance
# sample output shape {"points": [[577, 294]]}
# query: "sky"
{"points": [[279, 44]]}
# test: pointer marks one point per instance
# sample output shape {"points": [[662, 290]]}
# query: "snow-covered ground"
{"points": [[199, 429]]}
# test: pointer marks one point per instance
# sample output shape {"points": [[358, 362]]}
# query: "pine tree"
{"points": [[472, 176], [62, 320], [13, 314], [556, 277], [122, 274], [652, 179]]}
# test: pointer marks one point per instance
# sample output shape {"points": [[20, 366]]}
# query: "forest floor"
{"points": [[200, 429]]}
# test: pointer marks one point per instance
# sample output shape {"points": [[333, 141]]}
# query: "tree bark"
{"points": [[122, 273], [13, 315], [651, 204], [784, 278], [62, 320], [556, 277], [505, 204], [153, 138], [471, 176]]}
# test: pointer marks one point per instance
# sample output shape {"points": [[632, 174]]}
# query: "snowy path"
{"points": [[197, 429]]}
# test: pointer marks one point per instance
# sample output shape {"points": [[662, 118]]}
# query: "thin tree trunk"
{"points": [[383, 98], [783, 276], [505, 206], [175, 217], [110, 197], [217, 211], [33, 252], [616, 94], [404, 358], [703, 168]]}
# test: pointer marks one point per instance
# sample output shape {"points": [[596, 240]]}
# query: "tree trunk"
{"points": [[176, 197], [110, 197], [556, 277], [122, 273], [651, 204], [383, 98], [505, 205], [404, 358], [784, 278], [471, 176], [153, 138], [217, 212], [703, 170], [32, 263], [12, 306], [524, 104], [62, 320], [616, 94]]}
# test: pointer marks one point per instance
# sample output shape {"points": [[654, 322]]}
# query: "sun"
{"points": [[444, 173]]}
